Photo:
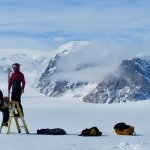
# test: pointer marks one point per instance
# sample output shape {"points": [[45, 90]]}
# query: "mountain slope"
{"points": [[131, 82], [51, 87]]}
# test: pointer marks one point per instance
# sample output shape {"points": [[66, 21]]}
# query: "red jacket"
{"points": [[17, 75]]}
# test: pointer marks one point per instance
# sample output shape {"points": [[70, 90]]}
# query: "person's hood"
{"points": [[16, 67]]}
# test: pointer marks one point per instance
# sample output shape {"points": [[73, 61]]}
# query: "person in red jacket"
{"points": [[17, 83]]}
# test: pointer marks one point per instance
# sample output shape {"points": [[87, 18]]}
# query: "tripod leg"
{"points": [[10, 119], [22, 118], [1, 128], [17, 125]]}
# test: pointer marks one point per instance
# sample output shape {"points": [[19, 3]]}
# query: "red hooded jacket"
{"points": [[16, 75]]}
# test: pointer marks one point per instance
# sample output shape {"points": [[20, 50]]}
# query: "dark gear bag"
{"points": [[121, 126], [123, 129], [94, 131], [55, 131]]}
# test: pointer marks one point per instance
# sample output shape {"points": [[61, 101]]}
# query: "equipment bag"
{"points": [[55, 131], [94, 131], [123, 129]]}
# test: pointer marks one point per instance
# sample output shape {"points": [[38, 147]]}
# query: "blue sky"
{"points": [[46, 24]]}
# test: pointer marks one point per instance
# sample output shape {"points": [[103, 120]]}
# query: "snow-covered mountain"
{"points": [[51, 87], [131, 82], [32, 62]]}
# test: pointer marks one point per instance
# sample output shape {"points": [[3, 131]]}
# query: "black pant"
{"points": [[5, 114], [16, 96]]}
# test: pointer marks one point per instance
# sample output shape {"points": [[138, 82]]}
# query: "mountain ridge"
{"points": [[132, 84]]}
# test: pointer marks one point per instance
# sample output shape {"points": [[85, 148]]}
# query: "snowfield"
{"points": [[74, 116]]}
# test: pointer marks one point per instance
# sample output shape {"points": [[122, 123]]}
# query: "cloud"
{"points": [[58, 39], [75, 19], [93, 62], [22, 43], [96, 60]]}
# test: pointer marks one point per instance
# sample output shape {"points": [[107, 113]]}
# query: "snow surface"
{"points": [[73, 116]]}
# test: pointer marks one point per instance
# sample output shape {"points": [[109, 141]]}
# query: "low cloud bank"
{"points": [[94, 61]]}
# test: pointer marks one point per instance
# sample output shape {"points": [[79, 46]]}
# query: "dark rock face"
{"points": [[131, 82], [56, 88]]}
